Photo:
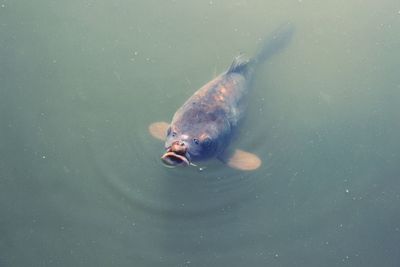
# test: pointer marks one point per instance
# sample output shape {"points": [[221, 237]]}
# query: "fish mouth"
{"points": [[172, 159]]}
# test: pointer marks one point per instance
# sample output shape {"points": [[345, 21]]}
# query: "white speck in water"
{"points": [[43, 157], [347, 190], [211, 2], [3, 5], [276, 255], [136, 53]]}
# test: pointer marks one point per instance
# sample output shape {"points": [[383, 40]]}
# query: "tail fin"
{"points": [[275, 42]]}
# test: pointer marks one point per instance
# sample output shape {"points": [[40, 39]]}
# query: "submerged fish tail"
{"points": [[274, 43]]}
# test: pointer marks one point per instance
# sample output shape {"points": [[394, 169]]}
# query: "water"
{"points": [[81, 183]]}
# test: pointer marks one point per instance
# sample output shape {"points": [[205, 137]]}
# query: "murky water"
{"points": [[81, 183]]}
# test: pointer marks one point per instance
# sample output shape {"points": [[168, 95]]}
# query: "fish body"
{"points": [[203, 127], [206, 121]]}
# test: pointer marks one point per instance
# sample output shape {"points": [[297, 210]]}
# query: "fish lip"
{"points": [[172, 159]]}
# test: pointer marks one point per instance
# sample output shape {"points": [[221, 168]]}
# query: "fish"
{"points": [[204, 126]]}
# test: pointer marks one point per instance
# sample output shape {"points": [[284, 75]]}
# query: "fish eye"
{"points": [[207, 141], [173, 134], [196, 141]]}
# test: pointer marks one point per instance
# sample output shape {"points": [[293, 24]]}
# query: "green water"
{"points": [[81, 183]]}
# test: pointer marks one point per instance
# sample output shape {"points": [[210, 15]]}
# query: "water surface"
{"points": [[81, 182]]}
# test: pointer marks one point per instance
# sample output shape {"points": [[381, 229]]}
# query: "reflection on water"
{"points": [[81, 182]]}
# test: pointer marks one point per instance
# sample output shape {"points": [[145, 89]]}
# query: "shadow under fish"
{"points": [[203, 127]]}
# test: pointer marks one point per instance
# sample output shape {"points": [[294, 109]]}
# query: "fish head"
{"points": [[191, 143]]}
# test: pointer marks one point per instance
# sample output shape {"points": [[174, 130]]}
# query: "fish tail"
{"points": [[274, 43]]}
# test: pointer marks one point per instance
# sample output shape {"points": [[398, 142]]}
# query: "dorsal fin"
{"points": [[239, 64]]}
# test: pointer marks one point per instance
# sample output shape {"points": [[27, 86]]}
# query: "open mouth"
{"points": [[172, 159]]}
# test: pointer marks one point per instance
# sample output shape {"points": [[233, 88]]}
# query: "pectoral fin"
{"points": [[159, 130], [243, 160]]}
